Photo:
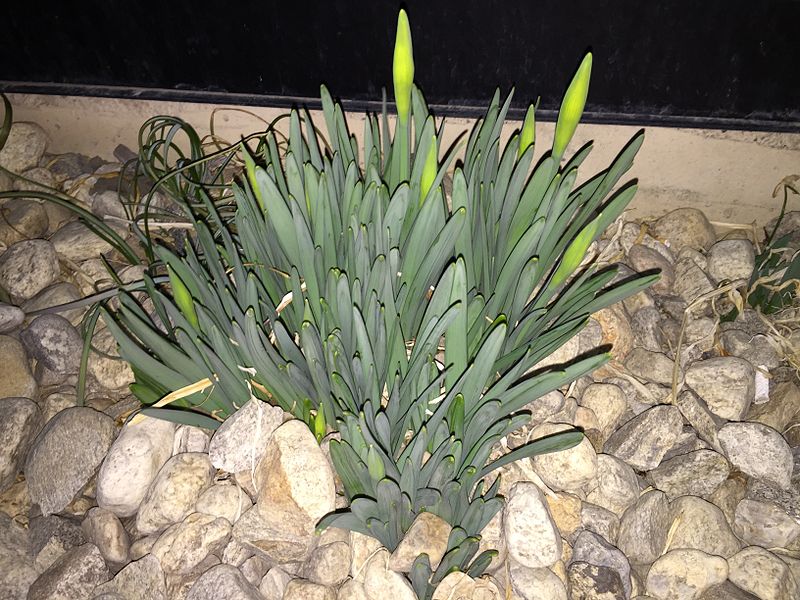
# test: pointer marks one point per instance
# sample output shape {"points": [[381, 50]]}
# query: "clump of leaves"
{"points": [[347, 287]]}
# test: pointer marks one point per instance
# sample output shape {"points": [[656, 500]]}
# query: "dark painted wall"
{"points": [[672, 60]]}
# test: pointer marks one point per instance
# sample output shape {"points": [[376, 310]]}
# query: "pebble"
{"points": [[644, 259], [53, 295], [685, 227], [646, 328], [531, 536], [696, 412], [107, 369], [778, 411], [76, 242], [226, 500], [132, 463], [460, 585], [698, 524], [726, 384], [758, 451], [691, 281], [593, 549], [600, 521], [222, 582], [274, 583], [731, 260], [240, 441], [22, 219], [593, 582], [696, 473], [566, 470], [142, 579], [300, 589], [381, 583], [28, 267], [329, 564], [11, 317], [54, 343], [75, 575], [536, 583], [50, 537], [753, 348], [428, 534], [643, 528], [764, 524], [685, 574], [655, 367], [617, 486], [185, 545], [24, 147], [81, 433], [20, 422], [103, 529], [763, 574], [644, 440], [276, 541]]}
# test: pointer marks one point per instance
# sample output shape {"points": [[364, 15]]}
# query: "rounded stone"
{"points": [[20, 421], [24, 147], [28, 267], [568, 469], [22, 219], [731, 259], [685, 574], [54, 343], [685, 227], [726, 383], [531, 536], [758, 451], [104, 530]]}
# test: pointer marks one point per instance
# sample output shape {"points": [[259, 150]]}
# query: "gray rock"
{"points": [[54, 295], [75, 575], [15, 373], [685, 227], [592, 549], [350, 590], [699, 525], [223, 582], [646, 327], [272, 539], [17, 571], [778, 411], [728, 495], [23, 219], [758, 451], [726, 383], [11, 317], [617, 486], [82, 434], [174, 492], [274, 584], [103, 529], [132, 464], [54, 342], [241, 440], [566, 470], [643, 528], [685, 574], [644, 440], [696, 473], [754, 349], [142, 547], [608, 403], [545, 406], [254, 569], [329, 565], [696, 412], [27, 267], [600, 520], [788, 500], [190, 439], [530, 534], [691, 281], [228, 501], [78, 243], [20, 422], [40, 178], [764, 524], [686, 443], [731, 260], [650, 366], [726, 591], [24, 147], [57, 401], [593, 582], [185, 545], [50, 537], [763, 574], [139, 580], [642, 258]]}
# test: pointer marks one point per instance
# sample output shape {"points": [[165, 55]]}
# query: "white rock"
{"points": [[568, 469], [300, 589], [696, 524], [240, 441], [616, 487], [381, 583], [731, 259], [765, 524], [350, 590], [328, 564], [758, 451], [727, 384], [24, 147], [140, 580], [222, 582], [102, 528], [274, 583], [226, 500], [460, 585], [763, 574], [20, 421], [362, 547], [185, 545], [536, 583], [531, 536], [428, 534], [608, 403], [685, 574], [28, 267], [74, 575], [132, 463], [190, 439], [174, 492]]}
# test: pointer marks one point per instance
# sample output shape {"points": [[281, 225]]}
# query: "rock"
{"points": [[428, 534], [600, 520], [11, 317], [50, 537], [699, 525], [174, 492], [17, 571], [545, 406], [617, 487], [726, 591], [492, 539], [329, 564], [592, 549], [22, 219], [81, 433], [274, 584], [54, 342], [696, 473], [276, 541], [783, 405], [643, 528], [566, 470], [685, 574], [58, 293], [754, 349], [380, 582], [190, 439], [650, 366], [728, 495], [75, 575], [24, 147], [15, 373], [592, 582], [616, 331], [63, 398], [351, 590], [103, 529], [763, 574], [294, 479], [15, 503], [139, 580], [531, 536], [40, 179], [300, 589], [731, 260], [228, 501], [222, 582], [20, 422], [787, 500], [696, 412], [183, 546], [608, 403], [28, 267], [254, 569], [691, 281], [726, 384], [362, 547], [240, 441], [644, 440], [461, 585], [758, 451], [132, 464], [764, 524], [536, 583], [76, 242], [685, 227], [142, 546], [646, 327], [565, 509], [643, 259], [110, 372]]}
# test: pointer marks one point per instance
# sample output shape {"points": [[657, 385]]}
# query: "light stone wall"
{"points": [[728, 174]]}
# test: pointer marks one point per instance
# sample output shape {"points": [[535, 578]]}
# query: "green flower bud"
{"points": [[575, 252], [403, 67], [528, 133], [572, 107]]}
